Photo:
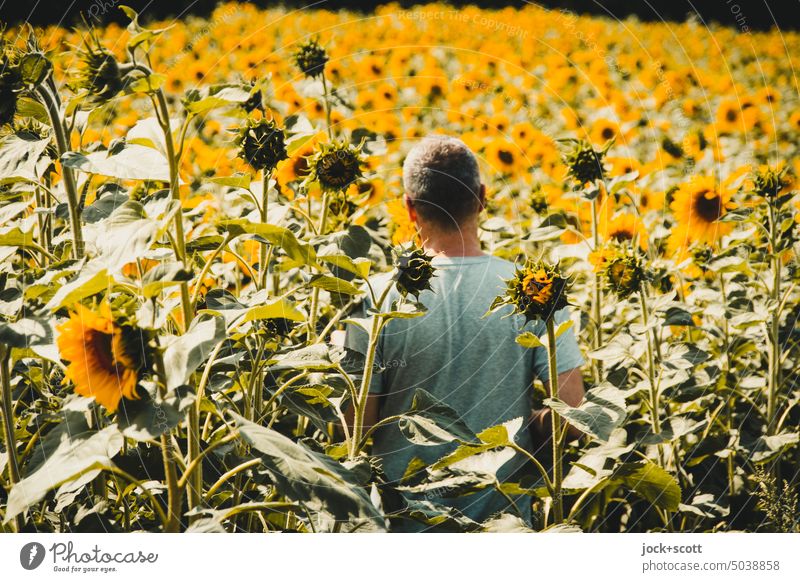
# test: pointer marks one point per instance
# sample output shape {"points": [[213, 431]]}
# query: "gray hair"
{"points": [[441, 177]]}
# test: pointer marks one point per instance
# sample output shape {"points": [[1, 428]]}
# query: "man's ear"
{"points": [[412, 212]]}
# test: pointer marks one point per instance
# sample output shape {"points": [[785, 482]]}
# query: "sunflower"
{"points": [[536, 291], [625, 227], [334, 166], [310, 58], [698, 207], [403, 229], [103, 364], [603, 130], [414, 270], [503, 157], [729, 117]]}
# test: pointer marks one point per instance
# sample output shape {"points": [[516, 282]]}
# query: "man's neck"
{"points": [[454, 244]]}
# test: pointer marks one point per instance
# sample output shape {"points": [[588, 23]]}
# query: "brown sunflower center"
{"points": [[622, 235], [708, 209], [506, 157], [607, 133], [731, 115], [100, 344]]}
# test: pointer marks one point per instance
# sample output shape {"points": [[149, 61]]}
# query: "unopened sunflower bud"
{"points": [[414, 271], [624, 271], [101, 76], [537, 291], [10, 85], [335, 166], [584, 163], [262, 144], [310, 58], [768, 182]]}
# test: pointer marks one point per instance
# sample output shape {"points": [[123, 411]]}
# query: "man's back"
{"points": [[466, 360]]}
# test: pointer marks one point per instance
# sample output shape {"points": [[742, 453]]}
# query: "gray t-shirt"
{"points": [[468, 361]]}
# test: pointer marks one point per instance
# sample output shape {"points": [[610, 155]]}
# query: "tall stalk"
{"points": [[8, 422], [327, 105], [729, 398], [174, 493], [555, 424], [773, 380], [53, 107], [312, 317], [378, 320], [263, 268], [597, 299], [773, 339]]}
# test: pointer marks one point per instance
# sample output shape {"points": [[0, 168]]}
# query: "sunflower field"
{"points": [[190, 211]]}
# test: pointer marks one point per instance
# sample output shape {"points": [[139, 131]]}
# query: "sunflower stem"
{"points": [[8, 423], [360, 404], [327, 105], [51, 104], [773, 339], [174, 493], [555, 424], [729, 399], [597, 299], [263, 268]]}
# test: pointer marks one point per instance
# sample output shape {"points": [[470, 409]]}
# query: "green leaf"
{"points": [[185, 354], [304, 475], [278, 309], [34, 68], [85, 285], [530, 340], [15, 237], [26, 332], [500, 436], [313, 357], [302, 253], [237, 180], [602, 411], [164, 275], [131, 162], [563, 327], [151, 416], [313, 401], [651, 482], [359, 267], [430, 421], [334, 285], [766, 448], [148, 84], [75, 455], [19, 157]]}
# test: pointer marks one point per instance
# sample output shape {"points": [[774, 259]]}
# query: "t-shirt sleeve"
{"points": [[568, 353], [356, 340]]}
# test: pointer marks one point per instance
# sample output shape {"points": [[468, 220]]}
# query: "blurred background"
{"points": [[757, 14]]}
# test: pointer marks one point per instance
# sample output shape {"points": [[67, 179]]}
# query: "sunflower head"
{"points": [[262, 144], [768, 182], [538, 200], [702, 255], [10, 86], [310, 58], [414, 270], [537, 291], [106, 355], [624, 270], [335, 166], [584, 163], [100, 76]]}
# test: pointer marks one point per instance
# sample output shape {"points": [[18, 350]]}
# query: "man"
{"points": [[468, 361]]}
